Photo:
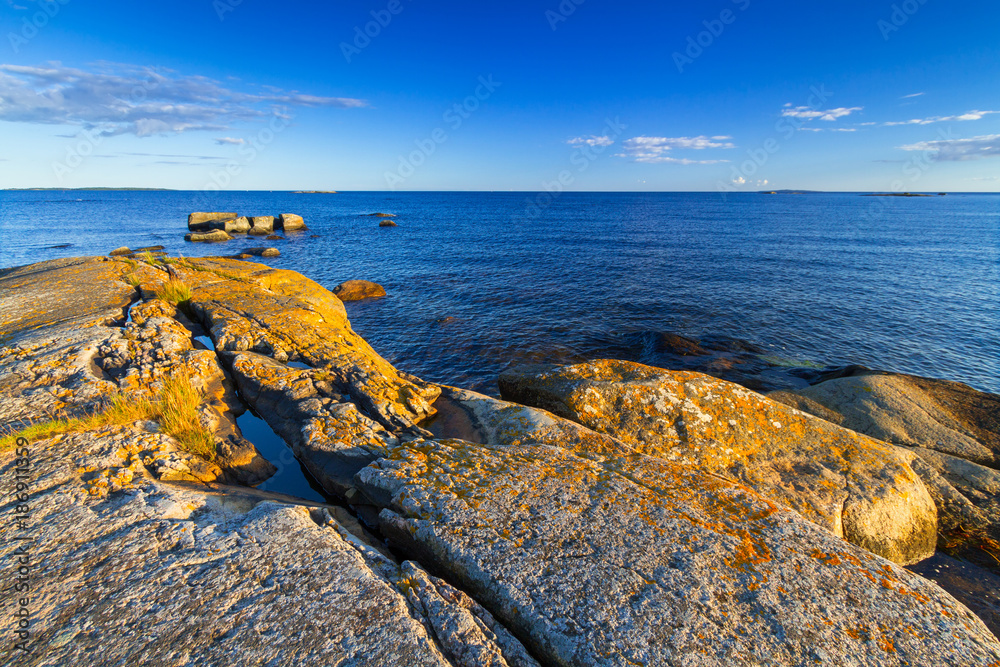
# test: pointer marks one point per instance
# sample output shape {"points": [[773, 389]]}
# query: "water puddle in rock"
{"points": [[128, 313], [298, 364], [452, 420], [291, 478]]}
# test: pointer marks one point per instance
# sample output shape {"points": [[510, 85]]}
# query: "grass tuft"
{"points": [[175, 408], [174, 291]]}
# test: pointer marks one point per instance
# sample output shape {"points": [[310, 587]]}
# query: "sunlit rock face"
{"points": [[858, 488]]}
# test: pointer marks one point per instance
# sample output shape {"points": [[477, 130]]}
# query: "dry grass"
{"points": [[175, 408], [174, 291], [182, 262], [177, 412]]}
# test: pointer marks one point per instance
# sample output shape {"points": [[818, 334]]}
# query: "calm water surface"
{"points": [[474, 285]]}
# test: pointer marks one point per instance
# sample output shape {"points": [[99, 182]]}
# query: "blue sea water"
{"points": [[477, 282]]}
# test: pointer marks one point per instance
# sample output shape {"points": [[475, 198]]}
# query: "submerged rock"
{"points": [[387, 223], [856, 487], [208, 237], [355, 290]]}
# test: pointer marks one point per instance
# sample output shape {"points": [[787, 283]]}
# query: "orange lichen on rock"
{"points": [[855, 486]]}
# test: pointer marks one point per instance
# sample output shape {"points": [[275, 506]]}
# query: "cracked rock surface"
{"points": [[144, 573], [533, 539], [856, 487]]}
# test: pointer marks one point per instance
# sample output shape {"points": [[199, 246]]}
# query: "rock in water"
{"points": [[355, 290], [124, 251], [381, 215], [291, 222], [387, 223], [208, 237], [199, 222], [261, 252], [262, 225], [856, 487], [238, 226]]}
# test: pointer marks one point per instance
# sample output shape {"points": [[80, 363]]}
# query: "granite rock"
{"points": [[856, 487]]}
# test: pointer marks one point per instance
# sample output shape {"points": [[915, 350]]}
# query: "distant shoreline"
{"points": [[596, 192]]}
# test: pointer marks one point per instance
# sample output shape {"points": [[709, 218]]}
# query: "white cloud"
{"points": [[655, 149], [592, 140], [808, 113], [971, 115], [230, 141], [906, 97], [113, 98], [739, 180], [960, 150]]}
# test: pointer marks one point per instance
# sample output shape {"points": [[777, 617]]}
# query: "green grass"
{"points": [[147, 257], [175, 408], [174, 291]]}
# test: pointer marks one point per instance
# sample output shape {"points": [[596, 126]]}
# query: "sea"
{"points": [[771, 291]]}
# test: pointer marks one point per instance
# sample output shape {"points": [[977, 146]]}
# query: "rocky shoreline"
{"points": [[601, 513]]}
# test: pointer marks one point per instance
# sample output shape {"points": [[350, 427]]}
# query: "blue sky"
{"points": [[571, 94]]}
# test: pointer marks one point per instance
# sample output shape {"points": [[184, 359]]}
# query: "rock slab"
{"points": [[856, 487]]}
